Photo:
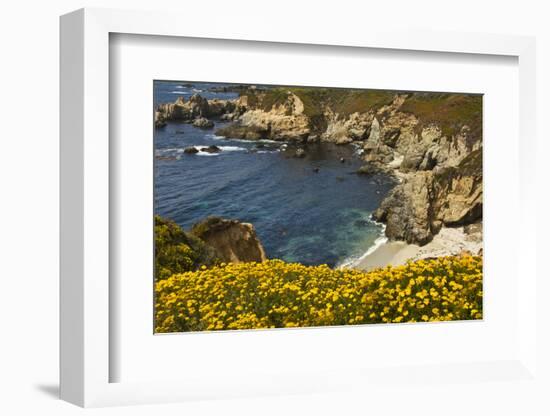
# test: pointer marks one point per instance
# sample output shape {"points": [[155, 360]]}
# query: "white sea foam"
{"points": [[355, 260], [232, 148], [180, 92], [207, 154], [217, 137]]}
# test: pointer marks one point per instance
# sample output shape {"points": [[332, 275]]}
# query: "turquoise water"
{"points": [[300, 214]]}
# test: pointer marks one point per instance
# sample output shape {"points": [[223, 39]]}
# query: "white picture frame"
{"points": [[85, 213]]}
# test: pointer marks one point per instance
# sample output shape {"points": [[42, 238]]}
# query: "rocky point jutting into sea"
{"points": [[430, 142]]}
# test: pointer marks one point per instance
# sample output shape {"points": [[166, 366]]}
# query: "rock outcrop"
{"points": [[160, 120], [197, 107], [233, 241], [284, 120], [203, 123], [406, 210], [417, 208], [431, 142]]}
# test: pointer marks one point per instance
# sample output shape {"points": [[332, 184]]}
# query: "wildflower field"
{"points": [[275, 294]]}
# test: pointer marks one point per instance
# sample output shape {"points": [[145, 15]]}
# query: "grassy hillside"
{"points": [[449, 111]]}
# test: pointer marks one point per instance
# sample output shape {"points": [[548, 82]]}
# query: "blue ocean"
{"points": [[314, 210]]}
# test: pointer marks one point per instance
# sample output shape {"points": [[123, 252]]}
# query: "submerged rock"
{"points": [[300, 153], [211, 149], [233, 241], [190, 150]]}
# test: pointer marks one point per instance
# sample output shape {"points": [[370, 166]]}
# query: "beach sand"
{"points": [[448, 242]]}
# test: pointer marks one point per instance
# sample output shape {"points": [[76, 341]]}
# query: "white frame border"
{"points": [[84, 188]]}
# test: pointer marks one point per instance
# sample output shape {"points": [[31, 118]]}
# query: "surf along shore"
{"points": [[431, 143]]}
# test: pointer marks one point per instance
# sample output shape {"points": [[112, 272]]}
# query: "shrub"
{"points": [[177, 251], [275, 294], [449, 111]]}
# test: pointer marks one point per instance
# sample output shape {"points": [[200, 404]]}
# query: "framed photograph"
{"points": [[285, 213]]}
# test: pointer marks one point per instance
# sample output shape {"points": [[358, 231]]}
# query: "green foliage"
{"points": [[357, 101], [342, 101], [177, 251], [449, 111], [203, 228]]}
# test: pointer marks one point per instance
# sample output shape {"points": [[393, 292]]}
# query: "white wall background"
{"points": [[29, 176]]}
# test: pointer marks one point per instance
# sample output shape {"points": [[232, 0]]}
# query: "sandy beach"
{"points": [[449, 241]]}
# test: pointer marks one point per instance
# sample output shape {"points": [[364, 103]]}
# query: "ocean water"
{"points": [[300, 215]]}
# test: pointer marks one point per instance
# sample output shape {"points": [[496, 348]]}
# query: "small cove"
{"points": [[312, 210]]}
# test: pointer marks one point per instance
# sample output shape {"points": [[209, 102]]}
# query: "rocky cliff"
{"points": [[432, 142], [196, 109], [234, 241]]}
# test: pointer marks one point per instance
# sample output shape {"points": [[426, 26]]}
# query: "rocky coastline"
{"points": [[430, 142]]}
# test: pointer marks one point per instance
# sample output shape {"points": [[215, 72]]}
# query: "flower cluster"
{"points": [[275, 294]]}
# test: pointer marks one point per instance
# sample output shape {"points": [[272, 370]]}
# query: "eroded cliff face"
{"points": [[425, 201], [195, 108], [232, 240], [284, 120], [431, 142]]}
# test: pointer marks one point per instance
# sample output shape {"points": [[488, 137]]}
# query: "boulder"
{"points": [[190, 150], [211, 149], [203, 123], [369, 169], [234, 241]]}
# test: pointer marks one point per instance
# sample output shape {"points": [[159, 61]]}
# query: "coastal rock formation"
{"points": [[406, 210], [160, 120], [281, 120], [211, 149], [417, 208], [341, 130], [233, 241], [457, 194], [191, 150], [431, 142], [203, 123], [196, 107]]}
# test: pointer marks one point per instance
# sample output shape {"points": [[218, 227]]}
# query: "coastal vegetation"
{"points": [[190, 296], [275, 294], [217, 276], [177, 251], [449, 111]]}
